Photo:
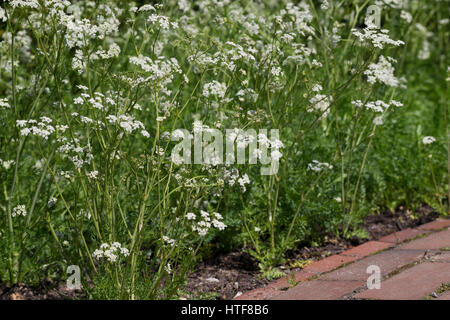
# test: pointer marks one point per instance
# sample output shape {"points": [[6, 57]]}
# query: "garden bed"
{"points": [[226, 275], [223, 277]]}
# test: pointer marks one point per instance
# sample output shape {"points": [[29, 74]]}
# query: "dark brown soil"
{"points": [[46, 290], [225, 276]]}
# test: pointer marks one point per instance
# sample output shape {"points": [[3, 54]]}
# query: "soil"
{"points": [[45, 290], [226, 275]]}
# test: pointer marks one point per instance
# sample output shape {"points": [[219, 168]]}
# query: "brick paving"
{"points": [[413, 263], [412, 284]]}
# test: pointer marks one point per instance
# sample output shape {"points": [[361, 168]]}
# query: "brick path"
{"points": [[413, 263]]}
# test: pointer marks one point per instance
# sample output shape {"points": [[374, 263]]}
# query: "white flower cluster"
{"points": [[319, 166], [205, 222], [79, 61], [19, 211], [428, 140], [237, 52], [259, 142], [4, 103], [24, 3], [378, 121], [302, 17], [6, 164], [325, 5], [377, 39], [22, 41], [79, 32], [162, 70], [2, 15], [405, 15], [51, 202], [162, 21], [98, 101], [214, 88], [144, 8], [168, 240], [243, 181], [424, 52], [383, 72], [321, 103], [128, 123], [77, 154], [247, 94], [66, 174], [376, 106], [392, 3], [92, 174], [111, 252], [33, 127], [203, 60]]}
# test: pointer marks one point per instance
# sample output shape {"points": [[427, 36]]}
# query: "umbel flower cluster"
{"points": [[111, 252]]}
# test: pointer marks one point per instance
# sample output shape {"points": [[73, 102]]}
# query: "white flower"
{"points": [[205, 223], [125, 252], [4, 101], [405, 15], [424, 52], [428, 140], [243, 181], [7, 164], [168, 240], [378, 121], [317, 87], [319, 166], [2, 15], [51, 202], [214, 88], [190, 216], [276, 155], [110, 252], [377, 39], [147, 7], [383, 71], [24, 3], [219, 224], [321, 103], [92, 174], [19, 211]]}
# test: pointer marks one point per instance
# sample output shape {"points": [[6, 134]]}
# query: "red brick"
{"points": [[403, 235], [412, 284], [367, 249], [433, 241], [329, 263], [442, 257], [435, 225], [259, 294], [319, 290], [301, 275], [274, 288], [387, 261], [444, 296]]}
